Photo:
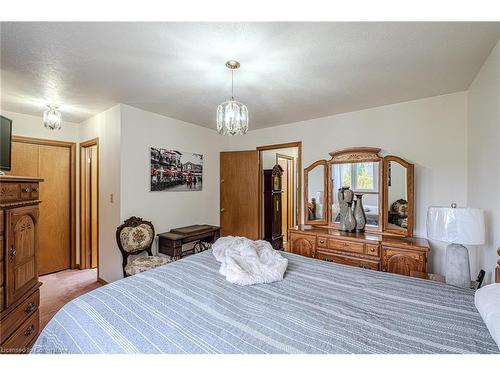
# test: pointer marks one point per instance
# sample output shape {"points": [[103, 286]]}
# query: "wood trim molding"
{"points": [[101, 281], [72, 203], [85, 144], [90, 142], [355, 154], [323, 163], [407, 232], [297, 144]]}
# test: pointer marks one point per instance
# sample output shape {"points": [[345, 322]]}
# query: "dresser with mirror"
{"points": [[383, 187]]}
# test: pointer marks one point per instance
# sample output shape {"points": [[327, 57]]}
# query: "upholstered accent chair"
{"points": [[135, 237]]}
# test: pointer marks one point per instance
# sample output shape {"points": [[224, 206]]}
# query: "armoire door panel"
{"points": [[24, 239], [21, 241], [54, 234], [239, 194]]}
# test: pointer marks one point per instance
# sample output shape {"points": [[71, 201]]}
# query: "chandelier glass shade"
{"points": [[232, 118], [52, 118], [232, 115]]}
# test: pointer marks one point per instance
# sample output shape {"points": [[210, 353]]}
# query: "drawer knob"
{"points": [[30, 330], [35, 190], [30, 307], [26, 190]]}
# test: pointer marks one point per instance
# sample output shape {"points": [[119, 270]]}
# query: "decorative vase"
{"points": [[359, 213], [345, 196], [350, 221]]}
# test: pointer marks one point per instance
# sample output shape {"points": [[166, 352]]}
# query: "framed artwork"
{"points": [[172, 170]]}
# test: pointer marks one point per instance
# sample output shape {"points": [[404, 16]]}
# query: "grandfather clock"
{"points": [[272, 207]]}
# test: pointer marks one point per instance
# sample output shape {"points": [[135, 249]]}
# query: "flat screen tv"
{"points": [[5, 143]]}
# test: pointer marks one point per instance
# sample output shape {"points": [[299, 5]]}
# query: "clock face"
{"points": [[276, 183]]}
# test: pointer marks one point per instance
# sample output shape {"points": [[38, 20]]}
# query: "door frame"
{"points": [[289, 159], [298, 209], [72, 187], [82, 146]]}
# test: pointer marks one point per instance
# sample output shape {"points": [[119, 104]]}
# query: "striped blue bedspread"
{"points": [[319, 307]]}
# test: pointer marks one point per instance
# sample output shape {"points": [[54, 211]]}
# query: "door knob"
{"points": [[222, 181], [222, 209]]}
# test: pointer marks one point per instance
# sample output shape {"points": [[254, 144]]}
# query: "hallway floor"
{"points": [[61, 287]]}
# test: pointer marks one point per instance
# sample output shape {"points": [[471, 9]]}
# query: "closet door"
{"points": [[54, 235], [239, 194], [52, 162]]}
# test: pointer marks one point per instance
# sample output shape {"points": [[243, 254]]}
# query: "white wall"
{"points": [[142, 130], [32, 126], [431, 133], [107, 126], [483, 156]]}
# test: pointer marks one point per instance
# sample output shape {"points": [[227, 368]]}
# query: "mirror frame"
{"points": [[357, 155], [326, 199], [391, 229]]}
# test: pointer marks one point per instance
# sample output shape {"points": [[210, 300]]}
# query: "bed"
{"points": [[319, 307]]}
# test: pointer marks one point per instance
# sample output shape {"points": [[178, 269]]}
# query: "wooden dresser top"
{"points": [[384, 239], [20, 179]]}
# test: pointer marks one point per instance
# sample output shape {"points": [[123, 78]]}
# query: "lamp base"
{"points": [[457, 266]]}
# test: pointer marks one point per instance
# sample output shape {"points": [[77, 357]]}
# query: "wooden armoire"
{"points": [[19, 285], [272, 207]]}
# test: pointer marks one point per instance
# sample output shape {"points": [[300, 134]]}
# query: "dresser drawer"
{"points": [[350, 246], [1, 298], [1, 249], [373, 250], [22, 312], [25, 191], [34, 191], [347, 260], [10, 192], [1, 223], [22, 338]]}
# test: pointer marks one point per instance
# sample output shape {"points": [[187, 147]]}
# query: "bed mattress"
{"points": [[319, 307]]}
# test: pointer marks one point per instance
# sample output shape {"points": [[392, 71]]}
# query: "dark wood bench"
{"points": [[170, 243]]}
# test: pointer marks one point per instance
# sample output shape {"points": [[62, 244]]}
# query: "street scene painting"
{"points": [[173, 170]]}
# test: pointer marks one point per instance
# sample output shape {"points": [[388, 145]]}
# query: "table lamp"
{"points": [[459, 227]]}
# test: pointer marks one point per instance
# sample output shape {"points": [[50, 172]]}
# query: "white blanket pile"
{"points": [[247, 262]]}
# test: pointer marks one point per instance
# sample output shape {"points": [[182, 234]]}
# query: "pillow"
{"points": [[487, 300]]}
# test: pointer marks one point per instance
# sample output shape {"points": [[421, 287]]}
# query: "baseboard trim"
{"points": [[101, 281]]}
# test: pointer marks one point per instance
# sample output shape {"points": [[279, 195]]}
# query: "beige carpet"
{"points": [[61, 287]]}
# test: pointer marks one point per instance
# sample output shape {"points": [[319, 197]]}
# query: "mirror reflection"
{"points": [[362, 179], [316, 193], [397, 194]]}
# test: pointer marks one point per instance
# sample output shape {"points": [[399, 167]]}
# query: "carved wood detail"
{"points": [[303, 245], [355, 155], [19, 296]]}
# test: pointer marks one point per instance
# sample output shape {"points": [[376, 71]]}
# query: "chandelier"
{"points": [[52, 118], [232, 116]]}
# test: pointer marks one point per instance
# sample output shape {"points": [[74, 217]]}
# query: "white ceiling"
{"points": [[290, 71]]}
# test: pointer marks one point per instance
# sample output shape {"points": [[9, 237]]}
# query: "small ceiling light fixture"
{"points": [[52, 118], [232, 116]]}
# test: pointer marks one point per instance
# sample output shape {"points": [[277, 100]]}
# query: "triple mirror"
{"points": [[381, 186]]}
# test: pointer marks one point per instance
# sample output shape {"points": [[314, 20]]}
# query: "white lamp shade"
{"points": [[463, 226]]}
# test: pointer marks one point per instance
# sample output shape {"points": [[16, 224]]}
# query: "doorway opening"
{"points": [[289, 157], [89, 205]]}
